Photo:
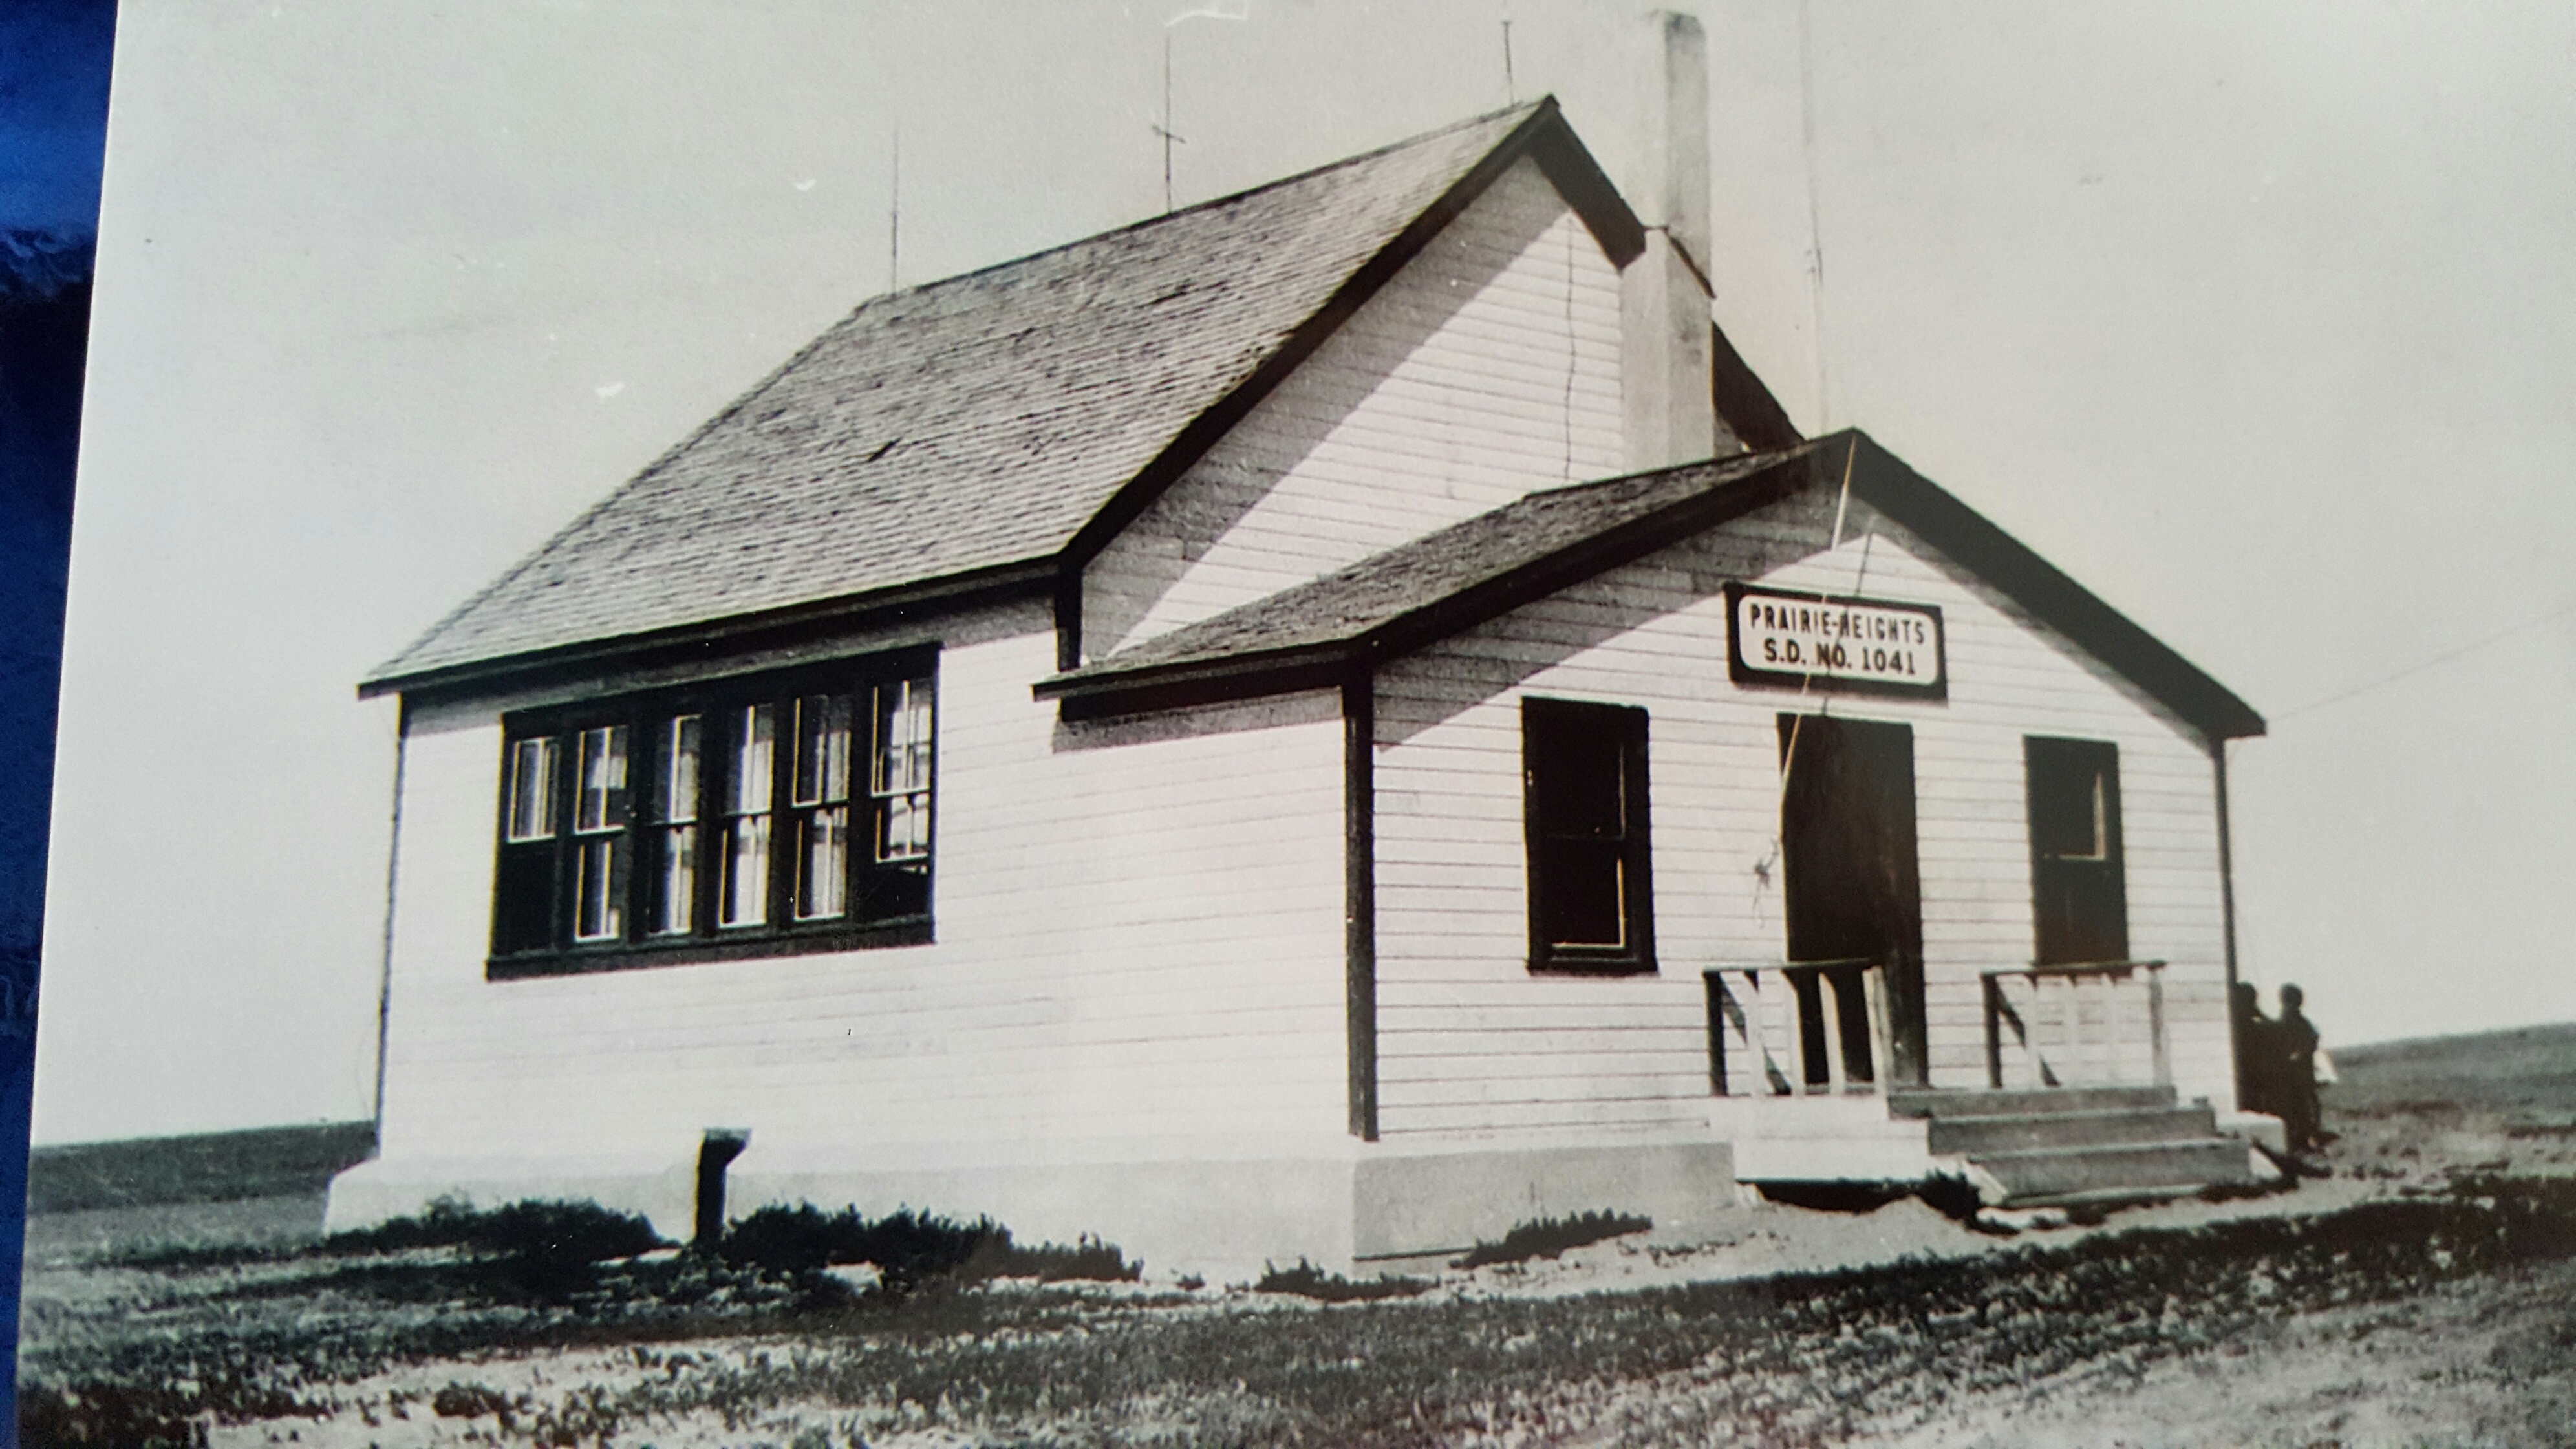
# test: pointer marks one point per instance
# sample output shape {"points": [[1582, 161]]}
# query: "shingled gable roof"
{"points": [[993, 425], [1319, 632]]}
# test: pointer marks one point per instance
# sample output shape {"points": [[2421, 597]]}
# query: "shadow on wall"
{"points": [[1181, 526], [1763, 541]]}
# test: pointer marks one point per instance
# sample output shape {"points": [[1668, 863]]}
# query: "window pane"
{"points": [[1584, 894], [822, 749], [754, 730], [523, 913], [599, 912], [905, 834], [532, 789], [903, 737], [601, 804], [899, 771], [2068, 809], [823, 864], [1580, 788], [744, 890], [675, 794], [746, 872], [675, 908]]}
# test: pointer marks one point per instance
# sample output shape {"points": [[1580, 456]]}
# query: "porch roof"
{"points": [[1327, 629]]}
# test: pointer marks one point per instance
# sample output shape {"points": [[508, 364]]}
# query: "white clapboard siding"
{"points": [[1488, 366], [1135, 936], [1470, 1041]]}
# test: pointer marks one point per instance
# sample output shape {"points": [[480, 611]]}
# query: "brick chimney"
{"points": [[1667, 337]]}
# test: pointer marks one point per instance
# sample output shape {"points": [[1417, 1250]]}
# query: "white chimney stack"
{"points": [[1665, 380]]}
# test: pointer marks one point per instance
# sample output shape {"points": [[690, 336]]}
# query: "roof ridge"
{"points": [[1544, 104]]}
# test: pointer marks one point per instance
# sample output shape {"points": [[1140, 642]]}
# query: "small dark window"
{"points": [[1583, 771], [775, 813], [2079, 896]]}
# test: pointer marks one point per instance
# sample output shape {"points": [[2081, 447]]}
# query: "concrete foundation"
{"points": [[660, 1188], [1821, 1139], [1204, 1208], [1419, 1201]]}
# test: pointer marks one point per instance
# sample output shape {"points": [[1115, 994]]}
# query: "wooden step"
{"points": [[1939, 1102], [2021, 1132], [2039, 1175]]}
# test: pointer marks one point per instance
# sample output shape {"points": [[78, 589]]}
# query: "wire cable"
{"points": [[2358, 690]]}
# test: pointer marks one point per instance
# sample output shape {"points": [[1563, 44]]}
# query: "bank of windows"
{"points": [[1584, 792], [786, 814]]}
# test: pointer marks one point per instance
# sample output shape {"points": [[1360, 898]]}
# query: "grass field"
{"points": [[2424, 1295]]}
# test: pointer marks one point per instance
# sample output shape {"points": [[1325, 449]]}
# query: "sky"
{"points": [[2251, 317]]}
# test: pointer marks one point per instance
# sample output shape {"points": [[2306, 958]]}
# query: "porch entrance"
{"points": [[1853, 891]]}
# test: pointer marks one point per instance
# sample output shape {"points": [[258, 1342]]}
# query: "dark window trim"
{"points": [[694, 950], [1637, 958], [781, 934]]}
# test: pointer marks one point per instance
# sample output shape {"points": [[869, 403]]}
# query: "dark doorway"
{"points": [[1854, 890], [2079, 894]]}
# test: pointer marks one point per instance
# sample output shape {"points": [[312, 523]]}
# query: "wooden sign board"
{"points": [[1816, 642]]}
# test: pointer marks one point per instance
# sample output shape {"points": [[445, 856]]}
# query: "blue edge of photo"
{"points": [[54, 60]]}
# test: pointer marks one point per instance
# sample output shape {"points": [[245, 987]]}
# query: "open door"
{"points": [[1854, 889]]}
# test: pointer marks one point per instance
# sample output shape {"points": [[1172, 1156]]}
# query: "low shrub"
{"points": [[911, 1248], [568, 1232], [1088, 1260], [543, 1247], [1548, 1237], [1308, 1281], [473, 1401]]}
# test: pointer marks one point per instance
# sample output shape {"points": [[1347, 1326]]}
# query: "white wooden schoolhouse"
{"points": [[1326, 723]]}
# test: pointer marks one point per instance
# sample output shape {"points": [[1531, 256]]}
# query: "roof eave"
{"points": [[992, 583], [1190, 682]]}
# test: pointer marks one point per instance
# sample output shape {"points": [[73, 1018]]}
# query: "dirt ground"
{"points": [[2389, 1304]]}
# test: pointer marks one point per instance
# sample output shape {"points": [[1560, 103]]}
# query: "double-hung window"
{"points": [[768, 814], [1591, 895], [2079, 890]]}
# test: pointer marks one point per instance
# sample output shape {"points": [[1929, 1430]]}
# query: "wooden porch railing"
{"points": [[2094, 1023], [1800, 1029]]}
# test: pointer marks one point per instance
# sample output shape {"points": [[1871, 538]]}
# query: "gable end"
{"points": [[1969, 540], [1544, 137]]}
